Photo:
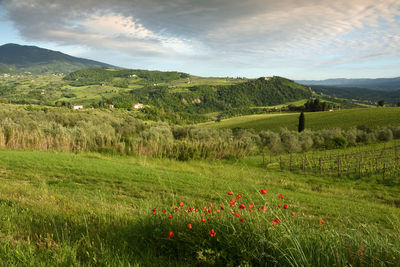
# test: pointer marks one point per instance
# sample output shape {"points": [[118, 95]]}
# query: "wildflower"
{"points": [[237, 214], [238, 196], [275, 221], [210, 204], [190, 209], [218, 211], [264, 208], [263, 191], [209, 210], [251, 206], [163, 211], [211, 233], [280, 196], [176, 208], [154, 211], [222, 207], [279, 205], [285, 206], [292, 213], [170, 216], [242, 206], [321, 221], [189, 226], [204, 208], [230, 193], [170, 235], [196, 210], [203, 219], [241, 219], [181, 204], [232, 204]]}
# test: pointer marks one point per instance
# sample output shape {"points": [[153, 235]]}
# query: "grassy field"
{"points": [[91, 209], [371, 117]]}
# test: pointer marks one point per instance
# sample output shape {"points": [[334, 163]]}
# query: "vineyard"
{"points": [[381, 161]]}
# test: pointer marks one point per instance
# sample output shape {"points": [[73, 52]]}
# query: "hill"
{"points": [[380, 84], [16, 58], [366, 117]]}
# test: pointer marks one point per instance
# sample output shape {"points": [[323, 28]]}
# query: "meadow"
{"points": [[93, 209], [344, 119]]}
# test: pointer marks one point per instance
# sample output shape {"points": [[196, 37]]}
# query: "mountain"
{"points": [[380, 84], [16, 58]]}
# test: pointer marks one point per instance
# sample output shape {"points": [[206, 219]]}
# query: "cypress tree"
{"points": [[301, 122]]}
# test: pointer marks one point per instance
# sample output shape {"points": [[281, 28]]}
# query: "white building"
{"points": [[77, 107]]}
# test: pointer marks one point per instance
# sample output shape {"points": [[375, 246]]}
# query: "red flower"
{"points": [[181, 204], [275, 221], [222, 208], [189, 226], [203, 220], [163, 211], [280, 196], [170, 235], [279, 205], [285, 206], [264, 208], [292, 213], [241, 219], [190, 209], [251, 206], [321, 221], [175, 207], [209, 210], [210, 204], [204, 208], [238, 196], [237, 214], [170, 216], [263, 191], [212, 233], [230, 193], [154, 211], [242, 206], [196, 210], [218, 211], [232, 204]]}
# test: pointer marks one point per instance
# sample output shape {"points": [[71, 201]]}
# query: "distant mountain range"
{"points": [[16, 58], [380, 84]]}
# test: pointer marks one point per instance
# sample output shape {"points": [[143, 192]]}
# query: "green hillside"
{"points": [[368, 117], [31, 59]]}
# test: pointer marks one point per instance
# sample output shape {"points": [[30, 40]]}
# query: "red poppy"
{"points": [[285, 206], [238, 196], [181, 204], [190, 209], [275, 221], [189, 226], [218, 211], [251, 206], [230, 193], [170, 216], [263, 191], [264, 208], [279, 205], [241, 219], [242, 206], [203, 219], [209, 210], [222, 208], [232, 204], [251, 210], [292, 213], [175, 207], [280, 196], [170, 235], [212, 233], [196, 210], [204, 208], [154, 211], [237, 214], [321, 221], [210, 204]]}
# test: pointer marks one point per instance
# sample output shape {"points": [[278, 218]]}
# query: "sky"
{"points": [[297, 39]]}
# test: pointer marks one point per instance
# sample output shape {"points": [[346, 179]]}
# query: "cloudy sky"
{"points": [[298, 39]]}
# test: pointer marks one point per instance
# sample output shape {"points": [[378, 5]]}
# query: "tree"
{"points": [[301, 122], [381, 103]]}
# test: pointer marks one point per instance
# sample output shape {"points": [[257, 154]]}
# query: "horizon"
{"points": [[301, 41]]}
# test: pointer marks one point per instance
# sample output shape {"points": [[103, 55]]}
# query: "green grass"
{"points": [[371, 117], [91, 209]]}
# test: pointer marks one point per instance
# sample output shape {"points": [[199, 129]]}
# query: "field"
{"points": [[92, 209], [368, 117]]}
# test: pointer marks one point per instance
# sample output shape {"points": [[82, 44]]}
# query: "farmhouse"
{"points": [[77, 106], [138, 105]]}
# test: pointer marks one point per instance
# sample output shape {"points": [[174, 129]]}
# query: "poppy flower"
{"points": [[170, 216], [275, 221], [181, 204], [196, 210], [203, 219], [222, 207], [170, 235], [212, 233], [210, 204], [251, 206], [209, 210], [218, 211], [204, 208], [189, 226], [154, 211], [163, 211], [292, 213], [176, 208], [242, 206], [251, 210], [264, 208], [190, 209], [279, 205], [285, 206], [241, 219], [263, 191], [237, 214], [280, 196], [230, 193], [232, 204], [321, 221], [238, 196]]}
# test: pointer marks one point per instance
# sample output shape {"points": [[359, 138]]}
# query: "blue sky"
{"points": [[298, 39]]}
